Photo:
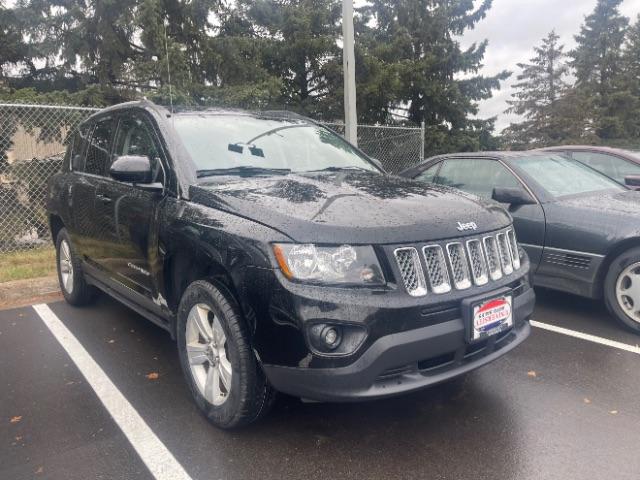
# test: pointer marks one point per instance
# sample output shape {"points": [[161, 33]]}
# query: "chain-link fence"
{"points": [[398, 148], [32, 144]]}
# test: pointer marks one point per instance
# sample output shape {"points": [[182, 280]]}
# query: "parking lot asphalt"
{"points": [[556, 407]]}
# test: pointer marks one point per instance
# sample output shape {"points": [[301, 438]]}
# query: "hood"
{"points": [[350, 207]]}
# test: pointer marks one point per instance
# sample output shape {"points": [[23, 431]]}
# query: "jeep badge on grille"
{"points": [[467, 226]]}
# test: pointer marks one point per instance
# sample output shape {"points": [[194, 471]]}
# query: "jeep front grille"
{"points": [[465, 263], [459, 266], [493, 258], [513, 247], [411, 271], [477, 261], [505, 253], [436, 269]]}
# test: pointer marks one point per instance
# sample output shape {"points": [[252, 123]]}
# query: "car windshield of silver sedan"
{"points": [[247, 145], [561, 176]]}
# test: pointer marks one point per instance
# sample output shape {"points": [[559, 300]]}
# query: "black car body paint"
{"points": [[144, 246]]}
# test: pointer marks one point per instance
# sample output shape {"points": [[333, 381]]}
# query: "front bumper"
{"points": [[404, 361]]}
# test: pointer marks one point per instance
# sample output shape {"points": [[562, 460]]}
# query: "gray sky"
{"points": [[513, 27]]}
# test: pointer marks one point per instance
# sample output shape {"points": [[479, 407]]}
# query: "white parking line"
{"points": [[158, 459], [586, 336]]}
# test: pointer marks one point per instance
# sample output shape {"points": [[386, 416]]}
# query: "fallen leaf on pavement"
{"points": [[613, 412], [40, 470], [532, 373], [152, 376], [111, 341], [586, 400], [16, 419]]}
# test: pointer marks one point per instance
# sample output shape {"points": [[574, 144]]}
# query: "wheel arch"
{"points": [[186, 265], [619, 248], [55, 224]]}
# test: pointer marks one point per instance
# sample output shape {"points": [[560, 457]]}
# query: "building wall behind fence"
{"points": [[32, 144]]}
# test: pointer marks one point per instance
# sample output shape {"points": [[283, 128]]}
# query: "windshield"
{"points": [[221, 144], [561, 176]]}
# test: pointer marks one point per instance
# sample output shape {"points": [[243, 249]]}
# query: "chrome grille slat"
{"points": [[437, 273], [459, 266], [513, 248], [477, 262], [505, 254], [411, 271], [493, 258]]}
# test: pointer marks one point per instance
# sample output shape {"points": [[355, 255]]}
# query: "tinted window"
{"points": [[98, 159], [228, 141], [135, 137], [562, 176], [476, 176], [429, 174], [612, 166]]}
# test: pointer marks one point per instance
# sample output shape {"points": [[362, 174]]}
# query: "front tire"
{"points": [[73, 285], [622, 289], [217, 360]]}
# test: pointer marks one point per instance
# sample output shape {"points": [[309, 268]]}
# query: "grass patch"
{"points": [[27, 264]]}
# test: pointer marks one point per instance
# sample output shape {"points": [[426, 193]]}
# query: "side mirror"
{"points": [[131, 169], [512, 196], [632, 181]]}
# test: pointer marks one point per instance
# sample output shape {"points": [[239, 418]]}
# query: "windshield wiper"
{"points": [[242, 171], [338, 169]]}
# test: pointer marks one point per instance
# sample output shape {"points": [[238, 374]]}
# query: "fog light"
{"points": [[331, 337]]}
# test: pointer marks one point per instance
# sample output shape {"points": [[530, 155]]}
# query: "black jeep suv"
{"points": [[281, 258]]}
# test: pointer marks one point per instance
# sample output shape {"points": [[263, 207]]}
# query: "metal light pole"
{"points": [[349, 69]]}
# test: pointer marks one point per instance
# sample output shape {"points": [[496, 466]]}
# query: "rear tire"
{"points": [[622, 289], [217, 360], [73, 285]]}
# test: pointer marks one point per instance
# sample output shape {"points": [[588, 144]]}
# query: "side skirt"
{"points": [[159, 320]]}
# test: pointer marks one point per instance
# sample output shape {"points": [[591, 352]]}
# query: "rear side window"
{"points": [[612, 166], [98, 153]]}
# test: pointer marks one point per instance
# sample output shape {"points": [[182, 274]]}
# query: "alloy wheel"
{"points": [[208, 354], [628, 291], [66, 267]]}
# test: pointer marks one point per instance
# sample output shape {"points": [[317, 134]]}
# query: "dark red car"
{"points": [[623, 166]]}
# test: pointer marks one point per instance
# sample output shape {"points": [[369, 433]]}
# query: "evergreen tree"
{"points": [[12, 47], [299, 47], [422, 72], [598, 64], [630, 111], [538, 98]]}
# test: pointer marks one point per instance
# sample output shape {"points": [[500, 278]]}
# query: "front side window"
{"points": [[98, 157], [219, 143], [612, 166], [135, 137], [561, 176], [476, 176]]}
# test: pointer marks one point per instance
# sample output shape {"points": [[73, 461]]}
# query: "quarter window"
{"points": [[612, 166], [476, 176], [98, 159]]}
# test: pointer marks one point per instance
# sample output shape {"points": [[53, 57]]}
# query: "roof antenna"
{"points": [[166, 51]]}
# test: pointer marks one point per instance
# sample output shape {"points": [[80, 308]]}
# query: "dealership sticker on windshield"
{"points": [[491, 317]]}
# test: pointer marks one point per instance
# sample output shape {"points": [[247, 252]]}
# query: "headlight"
{"points": [[341, 264]]}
